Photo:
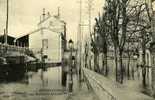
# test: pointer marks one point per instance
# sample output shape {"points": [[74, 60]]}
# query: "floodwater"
{"points": [[20, 84]]}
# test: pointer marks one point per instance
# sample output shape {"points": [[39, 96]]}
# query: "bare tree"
{"points": [[86, 54], [123, 21], [102, 31], [140, 21], [143, 30], [95, 50], [114, 12]]}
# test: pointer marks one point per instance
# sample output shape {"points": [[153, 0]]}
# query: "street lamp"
{"points": [[70, 83], [73, 63], [70, 44]]}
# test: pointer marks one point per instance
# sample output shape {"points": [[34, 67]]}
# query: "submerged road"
{"points": [[38, 85]]}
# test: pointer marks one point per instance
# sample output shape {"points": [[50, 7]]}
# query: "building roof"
{"points": [[41, 22], [1, 35], [37, 30], [49, 16]]}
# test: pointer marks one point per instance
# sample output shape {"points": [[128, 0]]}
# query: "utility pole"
{"points": [[80, 35], [42, 33], [7, 21], [80, 22], [58, 12], [90, 3], [79, 40]]}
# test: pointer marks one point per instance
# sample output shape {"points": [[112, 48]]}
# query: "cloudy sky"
{"points": [[25, 14]]}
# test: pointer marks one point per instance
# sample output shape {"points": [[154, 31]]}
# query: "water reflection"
{"points": [[20, 83], [9, 73], [17, 72]]}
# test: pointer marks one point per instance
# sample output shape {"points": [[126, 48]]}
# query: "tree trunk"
{"points": [[144, 76], [144, 69], [105, 64], [96, 67], [90, 63], [121, 67], [128, 69], [116, 63], [86, 66]]}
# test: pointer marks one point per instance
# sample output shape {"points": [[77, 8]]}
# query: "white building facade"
{"points": [[46, 41]]}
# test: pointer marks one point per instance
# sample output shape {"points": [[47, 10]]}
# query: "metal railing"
{"points": [[10, 48]]}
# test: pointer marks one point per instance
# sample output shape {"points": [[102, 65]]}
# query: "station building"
{"points": [[48, 41]]}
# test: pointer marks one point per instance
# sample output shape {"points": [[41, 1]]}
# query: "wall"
{"points": [[35, 43], [54, 46], [53, 27]]}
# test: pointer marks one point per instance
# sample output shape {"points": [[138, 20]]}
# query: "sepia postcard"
{"points": [[77, 49]]}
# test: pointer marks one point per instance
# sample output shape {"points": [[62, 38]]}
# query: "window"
{"points": [[45, 56], [45, 43]]}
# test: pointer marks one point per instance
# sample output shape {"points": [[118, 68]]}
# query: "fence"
{"points": [[11, 48], [106, 89]]}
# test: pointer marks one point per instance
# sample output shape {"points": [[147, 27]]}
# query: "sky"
{"points": [[25, 14]]}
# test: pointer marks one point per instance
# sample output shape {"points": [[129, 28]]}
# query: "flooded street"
{"points": [[39, 85]]}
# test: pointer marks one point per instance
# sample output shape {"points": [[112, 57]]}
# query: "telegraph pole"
{"points": [[80, 22], [7, 21], [79, 40], [90, 3], [80, 36]]}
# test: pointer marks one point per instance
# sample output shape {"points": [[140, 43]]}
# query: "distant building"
{"points": [[48, 41]]}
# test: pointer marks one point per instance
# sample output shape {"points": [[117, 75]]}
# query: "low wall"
{"points": [[107, 89]]}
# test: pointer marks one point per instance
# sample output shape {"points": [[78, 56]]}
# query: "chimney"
{"points": [[48, 14], [58, 11], [43, 14]]}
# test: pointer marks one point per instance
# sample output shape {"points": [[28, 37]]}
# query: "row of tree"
{"points": [[124, 25]]}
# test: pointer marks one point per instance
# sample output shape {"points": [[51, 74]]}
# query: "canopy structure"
{"points": [[18, 54]]}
